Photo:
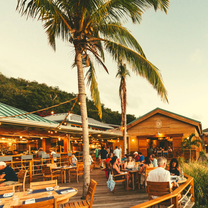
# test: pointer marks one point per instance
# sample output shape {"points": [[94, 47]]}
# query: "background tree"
{"points": [[92, 26], [190, 141], [122, 75]]}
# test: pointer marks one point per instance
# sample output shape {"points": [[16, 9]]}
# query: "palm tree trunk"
{"points": [[124, 117], [83, 108], [124, 135]]}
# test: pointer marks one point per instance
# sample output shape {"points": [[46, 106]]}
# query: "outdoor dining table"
{"points": [[64, 169], [18, 198], [133, 172]]}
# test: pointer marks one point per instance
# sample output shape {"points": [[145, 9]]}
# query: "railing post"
{"points": [[175, 201], [30, 170], [192, 190]]}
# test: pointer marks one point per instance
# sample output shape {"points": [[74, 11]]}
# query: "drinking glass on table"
{"points": [[15, 197], [29, 191], [49, 193], [56, 188]]}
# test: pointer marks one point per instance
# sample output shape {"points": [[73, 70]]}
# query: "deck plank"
{"points": [[103, 197]]}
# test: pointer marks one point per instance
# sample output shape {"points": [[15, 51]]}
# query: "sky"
{"points": [[176, 42]]}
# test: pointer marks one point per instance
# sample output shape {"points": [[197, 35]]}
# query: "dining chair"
{"points": [[157, 189], [78, 171], [51, 203], [6, 189], [43, 184], [147, 170], [49, 173], [21, 179], [118, 178], [85, 203]]}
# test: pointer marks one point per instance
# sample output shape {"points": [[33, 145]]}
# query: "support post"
{"points": [[30, 169]]}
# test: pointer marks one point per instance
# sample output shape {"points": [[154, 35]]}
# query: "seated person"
{"points": [[147, 163], [136, 156], [115, 167], [141, 159], [153, 160], [53, 153], [160, 174], [174, 167], [109, 158], [125, 157], [73, 160], [40, 152], [7, 173], [129, 164]]}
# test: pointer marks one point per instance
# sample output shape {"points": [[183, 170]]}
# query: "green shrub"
{"points": [[199, 171]]}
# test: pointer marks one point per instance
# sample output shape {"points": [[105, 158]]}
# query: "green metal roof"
{"points": [[164, 111], [6, 111]]}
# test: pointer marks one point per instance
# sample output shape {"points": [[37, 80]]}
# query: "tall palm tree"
{"points": [[189, 142], [92, 26], [122, 73]]}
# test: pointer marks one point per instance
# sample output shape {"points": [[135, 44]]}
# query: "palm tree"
{"points": [[122, 73], [92, 26], [188, 142]]}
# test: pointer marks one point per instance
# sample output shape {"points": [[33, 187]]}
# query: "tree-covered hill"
{"points": [[32, 96]]}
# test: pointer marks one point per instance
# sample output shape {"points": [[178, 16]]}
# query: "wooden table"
{"points": [[64, 169], [132, 172], [22, 196]]}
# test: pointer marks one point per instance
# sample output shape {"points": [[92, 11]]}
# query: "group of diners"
{"points": [[139, 162]]}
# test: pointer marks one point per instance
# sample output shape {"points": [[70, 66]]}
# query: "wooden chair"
{"points": [[147, 170], [43, 184], [86, 203], [78, 172], [6, 189], [159, 189], [51, 203], [21, 179], [49, 173], [119, 178]]}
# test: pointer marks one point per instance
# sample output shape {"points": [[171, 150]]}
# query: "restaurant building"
{"points": [[160, 129], [28, 132]]}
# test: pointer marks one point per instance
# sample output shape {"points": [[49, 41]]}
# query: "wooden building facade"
{"points": [[160, 129]]}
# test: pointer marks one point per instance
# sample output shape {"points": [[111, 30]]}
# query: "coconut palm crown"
{"points": [[92, 26], [190, 141]]}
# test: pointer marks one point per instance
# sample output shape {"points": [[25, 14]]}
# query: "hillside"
{"points": [[32, 96]]}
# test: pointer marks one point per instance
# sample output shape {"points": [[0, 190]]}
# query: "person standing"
{"points": [[97, 153], [120, 152], [103, 155], [116, 152]]}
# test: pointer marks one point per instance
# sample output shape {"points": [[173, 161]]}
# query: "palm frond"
{"points": [[115, 31], [140, 65], [95, 95]]}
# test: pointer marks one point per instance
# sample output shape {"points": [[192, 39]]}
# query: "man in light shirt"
{"points": [[160, 174], [119, 147], [116, 152], [153, 160]]}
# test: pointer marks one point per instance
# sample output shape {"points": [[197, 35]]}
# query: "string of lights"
{"points": [[23, 114]]}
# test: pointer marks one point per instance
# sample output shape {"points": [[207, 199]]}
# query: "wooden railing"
{"points": [[173, 195], [34, 165]]}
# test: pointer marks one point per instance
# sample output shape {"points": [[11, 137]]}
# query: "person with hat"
{"points": [[136, 156], [8, 174]]}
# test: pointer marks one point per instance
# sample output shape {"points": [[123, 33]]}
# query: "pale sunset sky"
{"points": [[177, 43]]}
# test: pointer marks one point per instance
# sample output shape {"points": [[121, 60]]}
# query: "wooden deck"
{"points": [[103, 197]]}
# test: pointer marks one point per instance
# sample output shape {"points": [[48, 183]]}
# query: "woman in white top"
{"points": [[129, 164], [147, 164]]}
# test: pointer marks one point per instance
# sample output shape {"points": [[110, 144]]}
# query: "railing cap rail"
{"points": [[167, 196]]}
